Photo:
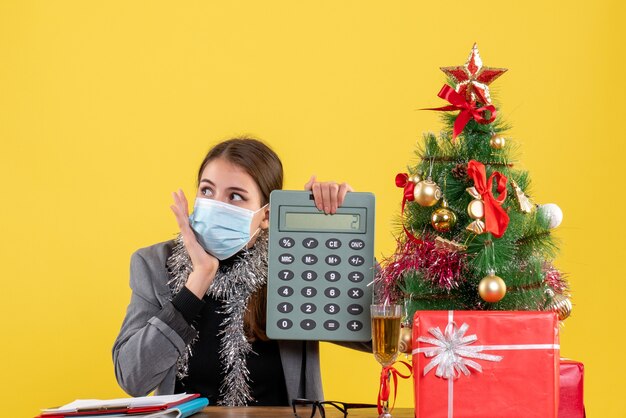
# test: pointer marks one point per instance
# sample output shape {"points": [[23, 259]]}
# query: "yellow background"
{"points": [[106, 107]]}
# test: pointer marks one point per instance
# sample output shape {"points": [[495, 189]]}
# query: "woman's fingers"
{"points": [[344, 188], [329, 195], [326, 202], [309, 184]]}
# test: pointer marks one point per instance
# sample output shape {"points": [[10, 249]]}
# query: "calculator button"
{"points": [[286, 242], [285, 274], [332, 292], [285, 291], [333, 260], [308, 308], [309, 292], [309, 275], [356, 260], [333, 243], [356, 244], [309, 243], [331, 308], [284, 323], [308, 324], [355, 325], [355, 293], [285, 307], [332, 276], [309, 259], [331, 325], [286, 258], [356, 276], [355, 309]]}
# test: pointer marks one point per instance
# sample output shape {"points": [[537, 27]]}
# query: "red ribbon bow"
{"points": [[468, 110], [496, 218], [385, 389], [402, 180]]}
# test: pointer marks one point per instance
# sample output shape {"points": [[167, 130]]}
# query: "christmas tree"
{"points": [[472, 238]]}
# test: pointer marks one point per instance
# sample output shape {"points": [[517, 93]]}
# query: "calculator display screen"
{"points": [[321, 222]]}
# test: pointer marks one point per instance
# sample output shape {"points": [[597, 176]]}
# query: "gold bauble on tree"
{"points": [[492, 288], [562, 305], [406, 342], [497, 142], [427, 193], [443, 219]]}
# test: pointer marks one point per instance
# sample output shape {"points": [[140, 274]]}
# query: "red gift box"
{"points": [[571, 390], [486, 364]]}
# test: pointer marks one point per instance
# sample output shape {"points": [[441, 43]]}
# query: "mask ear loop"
{"points": [[259, 228]]}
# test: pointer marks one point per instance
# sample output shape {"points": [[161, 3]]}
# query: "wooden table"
{"points": [[287, 412]]}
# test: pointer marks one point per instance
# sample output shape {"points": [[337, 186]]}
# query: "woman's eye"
{"points": [[206, 192], [236, 197]]}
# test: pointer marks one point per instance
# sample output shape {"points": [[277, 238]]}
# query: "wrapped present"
{"points": [[571, 389], [486, 364]]}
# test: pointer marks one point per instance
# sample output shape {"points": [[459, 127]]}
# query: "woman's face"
{"points": [[224, 181]]}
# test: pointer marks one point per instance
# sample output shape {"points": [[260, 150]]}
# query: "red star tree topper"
{"points": [[472, 78]]}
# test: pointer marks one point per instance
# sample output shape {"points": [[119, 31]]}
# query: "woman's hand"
{"points": [[204, 264], [328, 195]]}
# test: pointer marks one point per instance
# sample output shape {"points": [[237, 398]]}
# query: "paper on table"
{"points": [[90, 404]]}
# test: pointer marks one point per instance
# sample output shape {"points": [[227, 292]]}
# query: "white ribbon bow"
{"points": [[452, 353]]}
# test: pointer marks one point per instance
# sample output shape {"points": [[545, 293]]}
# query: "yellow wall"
{"points": [[106, 107]]}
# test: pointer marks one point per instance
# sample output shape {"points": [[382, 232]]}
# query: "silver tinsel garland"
{"points": [[233, 286]]}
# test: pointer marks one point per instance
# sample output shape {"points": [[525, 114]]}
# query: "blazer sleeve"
{"points": [[152, 336]]}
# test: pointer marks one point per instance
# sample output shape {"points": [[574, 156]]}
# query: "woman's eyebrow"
{"points": [[232, 188], [237, 189]]}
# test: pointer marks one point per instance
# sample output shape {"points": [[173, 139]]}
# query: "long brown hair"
{"points": [[265, 168]]}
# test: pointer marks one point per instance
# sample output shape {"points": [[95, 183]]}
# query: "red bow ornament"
{"points": [[485, 204], [468, 110], [408, 184]]}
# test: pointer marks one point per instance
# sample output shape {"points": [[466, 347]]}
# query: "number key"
{"points": [[308, 292], [332, 276], [308, 308], [285, 307]]}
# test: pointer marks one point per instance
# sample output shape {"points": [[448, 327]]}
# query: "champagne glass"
{"points": [[385, 342]]}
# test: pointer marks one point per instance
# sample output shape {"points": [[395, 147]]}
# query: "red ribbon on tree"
{"points": [[402, 180], [496, 218], [468, 110], [385, 388]]}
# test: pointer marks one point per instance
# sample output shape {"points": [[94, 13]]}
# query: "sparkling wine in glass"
{"points": [[386, 320]]}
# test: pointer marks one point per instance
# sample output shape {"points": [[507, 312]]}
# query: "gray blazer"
{"points": [[154, 334]]}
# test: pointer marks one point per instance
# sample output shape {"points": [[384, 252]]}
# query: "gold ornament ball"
{"points": [[491, 288], [406, 344], [497, 142], [443, 219], [562, 305], [427, 193]]}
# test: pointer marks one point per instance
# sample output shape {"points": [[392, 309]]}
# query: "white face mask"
{"points": [[222, 229]]}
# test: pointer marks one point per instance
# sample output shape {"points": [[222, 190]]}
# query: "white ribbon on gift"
{"points": [[452, 353]]}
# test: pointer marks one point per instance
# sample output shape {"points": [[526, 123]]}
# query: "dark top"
{"points": [[267, 381]]}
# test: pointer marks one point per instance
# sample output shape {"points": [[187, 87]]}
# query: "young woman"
{"points": [[196, 319]]}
